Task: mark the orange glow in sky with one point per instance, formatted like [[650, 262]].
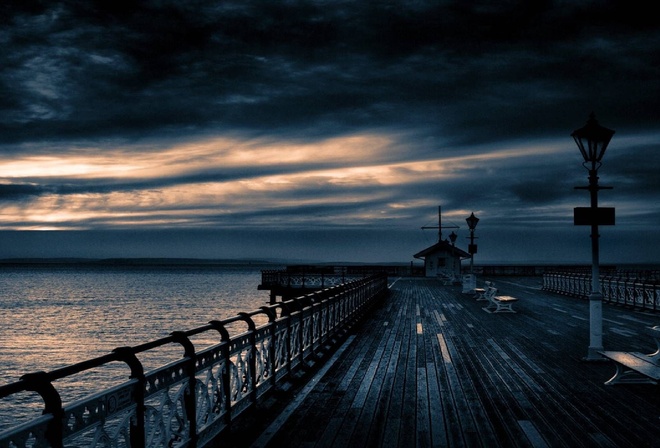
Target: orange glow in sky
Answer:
[[350, 169]]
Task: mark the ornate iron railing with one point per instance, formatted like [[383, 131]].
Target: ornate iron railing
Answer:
[[304, 280], [623, 290], [190, 401], [315, 277]]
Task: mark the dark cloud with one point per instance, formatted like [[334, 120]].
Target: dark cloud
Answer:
[[98, 68], [19, 192], [447, 79]]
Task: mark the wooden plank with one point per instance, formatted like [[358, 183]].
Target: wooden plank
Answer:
[[384, 430], [462, 407], [422, 420], [379, 397], [533, 398], [372, 409], [395, 416], [466, 342], [443, 373], [436, 414], [367, 380], [408, 373], [293, 405], [488, 367], [342, 417], [575, 411], [532, 434]]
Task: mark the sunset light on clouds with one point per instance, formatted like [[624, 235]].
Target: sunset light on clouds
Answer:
[[269, 130], [208, 182]]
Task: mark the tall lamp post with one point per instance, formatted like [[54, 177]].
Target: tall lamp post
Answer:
[[592, 140], [472, 248]]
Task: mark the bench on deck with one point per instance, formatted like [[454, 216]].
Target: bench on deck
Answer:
[[480, 293], [447, 277], [498, 304], [636, 367], [633, 368]]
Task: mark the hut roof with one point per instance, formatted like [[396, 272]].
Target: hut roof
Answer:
[[442, 246]]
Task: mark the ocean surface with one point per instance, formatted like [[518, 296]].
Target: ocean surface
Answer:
[[54, 316]]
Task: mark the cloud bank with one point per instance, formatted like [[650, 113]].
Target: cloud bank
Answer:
[[339, 122]]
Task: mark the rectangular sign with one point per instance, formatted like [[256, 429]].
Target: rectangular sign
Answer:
[[587, 216], [472, 248]]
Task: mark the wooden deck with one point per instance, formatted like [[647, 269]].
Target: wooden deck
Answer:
[[431, 368]]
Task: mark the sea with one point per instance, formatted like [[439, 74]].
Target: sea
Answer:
[[54, 315]]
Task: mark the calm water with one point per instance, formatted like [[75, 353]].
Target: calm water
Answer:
[[55, 316]]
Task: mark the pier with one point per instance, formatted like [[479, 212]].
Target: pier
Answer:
[[298, 280], [424, 365], [431, 368]]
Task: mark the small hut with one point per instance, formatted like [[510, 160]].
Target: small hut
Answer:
[[443, 260]]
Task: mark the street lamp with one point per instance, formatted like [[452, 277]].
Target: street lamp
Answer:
[[472, 248], [592, 140]]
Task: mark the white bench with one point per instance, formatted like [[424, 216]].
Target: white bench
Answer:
[[498, 304], [480, 293], [447, 277], [632, 368], [636, 367]]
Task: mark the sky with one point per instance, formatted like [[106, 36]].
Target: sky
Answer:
[[326, 131]]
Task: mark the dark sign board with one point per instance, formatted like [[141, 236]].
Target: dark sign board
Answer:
[[472, 248], [587, 216]]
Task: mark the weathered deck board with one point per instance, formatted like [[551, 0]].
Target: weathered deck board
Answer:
[[431, 368]]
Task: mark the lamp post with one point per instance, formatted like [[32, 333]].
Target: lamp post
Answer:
[[472, 248], [452, 239], [592, 140]]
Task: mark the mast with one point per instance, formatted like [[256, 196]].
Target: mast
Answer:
[[440, 225]]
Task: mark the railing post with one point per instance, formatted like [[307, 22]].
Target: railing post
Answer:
[[253, 355], [272, 353], [606, 286], [189, 397], [225, 375], [38, 382], [137, 432], [616, 293], [301, 334], [648, 293]]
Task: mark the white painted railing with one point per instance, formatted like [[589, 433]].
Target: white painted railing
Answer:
[[643, 294]]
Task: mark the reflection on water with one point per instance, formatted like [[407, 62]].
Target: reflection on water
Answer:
[[51, 317]]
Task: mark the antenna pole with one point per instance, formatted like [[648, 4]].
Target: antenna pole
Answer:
[[439, 223]]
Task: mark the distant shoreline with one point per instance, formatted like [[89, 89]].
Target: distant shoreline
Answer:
[[134, 262], [272, 263]]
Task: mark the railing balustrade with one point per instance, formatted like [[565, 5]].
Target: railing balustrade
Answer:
[[190, 401], [626, 289], [312, 280]]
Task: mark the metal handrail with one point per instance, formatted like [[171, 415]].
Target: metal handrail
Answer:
[[190, 401], [622, 290]]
